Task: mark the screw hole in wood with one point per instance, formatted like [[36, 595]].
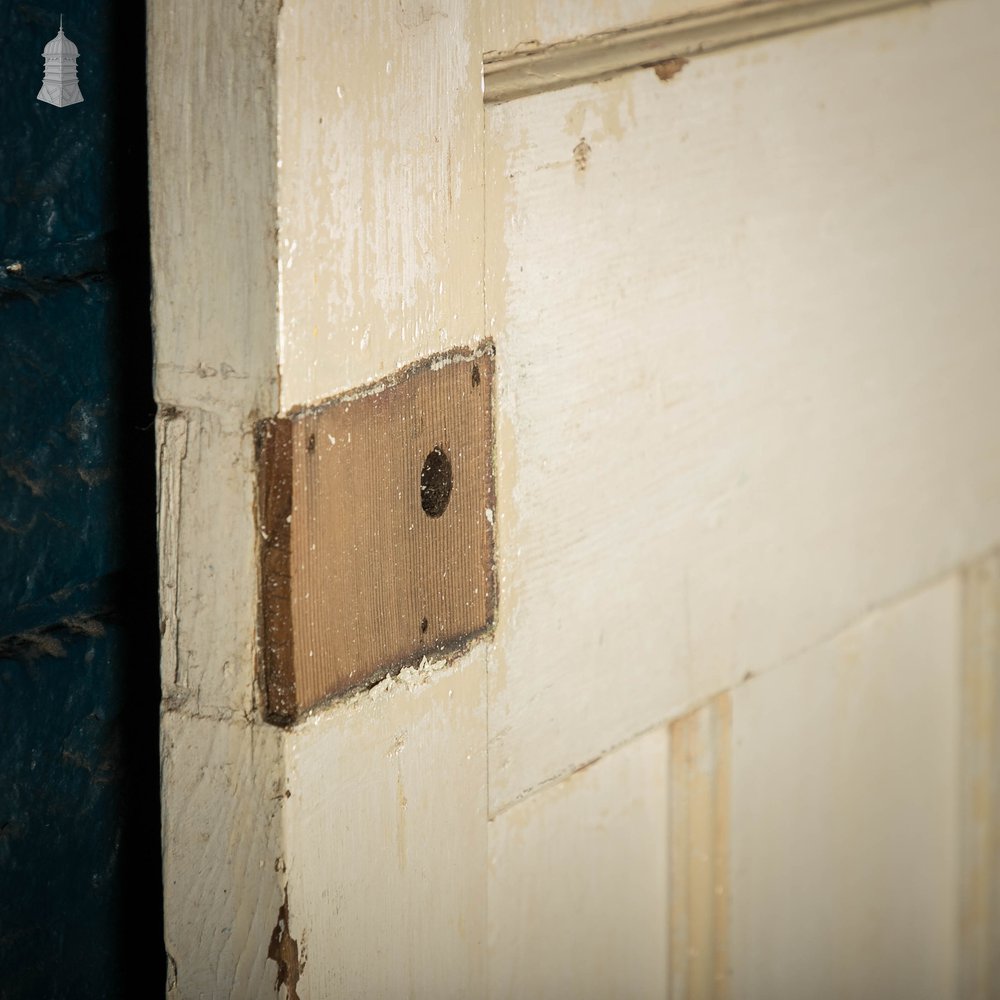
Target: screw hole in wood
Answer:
[[435, 483]]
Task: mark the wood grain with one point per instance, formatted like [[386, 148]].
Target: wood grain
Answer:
[[274, 486], [358, 577]]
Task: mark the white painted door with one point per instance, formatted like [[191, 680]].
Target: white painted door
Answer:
[[734, 732]]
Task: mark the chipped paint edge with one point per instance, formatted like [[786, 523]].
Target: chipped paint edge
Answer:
[[431, 362]]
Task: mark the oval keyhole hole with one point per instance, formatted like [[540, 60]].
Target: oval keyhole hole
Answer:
[[435, 483]]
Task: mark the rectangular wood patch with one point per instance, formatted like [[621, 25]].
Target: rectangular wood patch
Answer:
[[376, 530]]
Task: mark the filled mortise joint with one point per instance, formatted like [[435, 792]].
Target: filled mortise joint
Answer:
[[376, 531]]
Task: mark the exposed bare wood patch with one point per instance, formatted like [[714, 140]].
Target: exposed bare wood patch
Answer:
[[700, 781], [284, 952], [979, 851], [274, 463], [377, 536], [669, 68]]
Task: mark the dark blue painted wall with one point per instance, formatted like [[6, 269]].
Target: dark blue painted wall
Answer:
[[80, 894]]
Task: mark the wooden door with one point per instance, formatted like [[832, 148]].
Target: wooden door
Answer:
[[732, 729]]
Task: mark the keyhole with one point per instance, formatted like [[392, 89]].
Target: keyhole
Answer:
[[435, 483]]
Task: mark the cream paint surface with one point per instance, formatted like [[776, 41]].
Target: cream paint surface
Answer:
[[844, 819], [213, 202], [747, 344], [222, 848], [578, 882], [523, 23], [699, 838], [979, 746], [380, 189], [385, 838], [380, 124], [664, 45]]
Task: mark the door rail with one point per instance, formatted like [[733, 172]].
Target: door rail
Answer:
[[526, 71]]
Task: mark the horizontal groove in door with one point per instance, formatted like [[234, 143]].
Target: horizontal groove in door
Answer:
[[521, 73]]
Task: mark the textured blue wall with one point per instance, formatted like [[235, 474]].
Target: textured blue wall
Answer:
[[80, 893]]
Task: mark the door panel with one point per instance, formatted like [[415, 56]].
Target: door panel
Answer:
[[747, 340]]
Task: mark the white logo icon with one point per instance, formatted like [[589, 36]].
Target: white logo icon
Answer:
[[59, 86]]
